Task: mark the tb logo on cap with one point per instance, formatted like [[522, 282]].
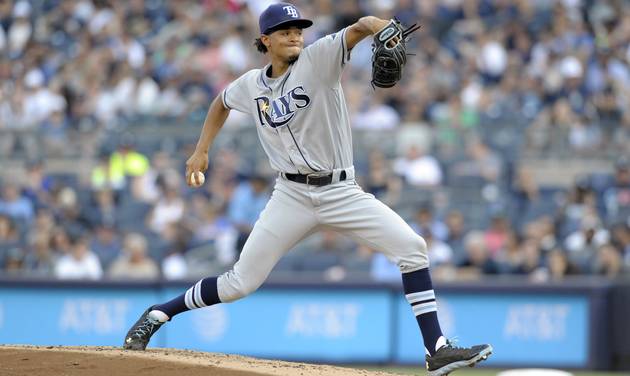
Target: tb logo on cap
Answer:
[[291, 11]]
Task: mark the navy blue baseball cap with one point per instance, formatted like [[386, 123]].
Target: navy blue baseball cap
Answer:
[[281, 14]]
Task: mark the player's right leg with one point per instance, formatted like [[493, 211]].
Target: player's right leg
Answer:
[[353, 212], [287, 219]]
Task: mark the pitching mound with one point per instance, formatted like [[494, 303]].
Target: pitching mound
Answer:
[[110, 361]]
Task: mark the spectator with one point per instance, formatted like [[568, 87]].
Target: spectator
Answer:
[[482, 163], [609, 113], [583, 244], [546, 238], [413, 132], [584, 137], [168, 209], [174, 237], [510, 258], [439, 252], [104, 176], [21, 30], [174, 265], [69, 213], [425, 223], [617, 197], [377, 117], [563, 120], [14, 262], [209, 225], [247, 203], [9, 236], [40, 259], [60, 241], [559, 266], [477, 261], [621, 240], [129, 49], [38, 186], [104, 209], [16, 206], [146, 187], [525, 197], [79, 263], [581, 202], [54, 130], [121, 168], [134, 263], [456, 235], [44, 223], [496, 235], [608, 261], [418, 168], [620, 143], [382, 269], [381, 180], [128, 161], [493, 59], [106, 244], [532, 258], [325, 252]]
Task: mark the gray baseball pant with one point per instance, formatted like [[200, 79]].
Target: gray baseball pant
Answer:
[[297, 210]]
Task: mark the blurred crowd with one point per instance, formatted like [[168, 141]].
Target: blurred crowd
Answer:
[[493, 83]]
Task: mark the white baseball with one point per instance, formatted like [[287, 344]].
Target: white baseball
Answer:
[[197, 179]]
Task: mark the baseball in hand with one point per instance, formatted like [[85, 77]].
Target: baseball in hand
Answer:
[[197, 179]]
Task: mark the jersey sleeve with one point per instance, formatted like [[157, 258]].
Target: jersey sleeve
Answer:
[[329, 55], [236, 95]]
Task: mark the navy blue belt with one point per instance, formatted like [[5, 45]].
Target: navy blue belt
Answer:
[[317, 180]]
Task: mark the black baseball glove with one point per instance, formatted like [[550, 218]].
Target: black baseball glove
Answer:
[[390, 53]]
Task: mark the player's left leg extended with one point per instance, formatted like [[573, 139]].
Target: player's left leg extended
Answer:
[[287, 218], [351, 211]]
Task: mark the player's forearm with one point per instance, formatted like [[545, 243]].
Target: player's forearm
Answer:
[[364, 27], [213, 124], [372, 25]]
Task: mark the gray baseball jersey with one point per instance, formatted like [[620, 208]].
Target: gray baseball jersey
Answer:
[[301, 116]]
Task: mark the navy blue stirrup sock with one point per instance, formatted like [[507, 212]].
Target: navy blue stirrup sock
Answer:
[[419, 293], [204, 293]]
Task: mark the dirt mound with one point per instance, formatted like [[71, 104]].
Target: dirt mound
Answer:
[[111, 361]]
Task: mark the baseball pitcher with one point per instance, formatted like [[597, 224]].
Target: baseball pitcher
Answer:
[[298, 105]]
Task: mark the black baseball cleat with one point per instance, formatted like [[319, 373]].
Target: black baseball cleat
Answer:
[[140, 333], [448, 358]]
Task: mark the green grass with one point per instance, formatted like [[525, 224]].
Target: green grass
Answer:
[[469, 372]]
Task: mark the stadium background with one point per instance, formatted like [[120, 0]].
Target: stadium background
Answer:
[[506, 145]]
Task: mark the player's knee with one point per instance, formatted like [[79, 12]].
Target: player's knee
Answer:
[[416, 245], [248, 288], [242, 290], [416, 257], [421, 245], [232, 288]]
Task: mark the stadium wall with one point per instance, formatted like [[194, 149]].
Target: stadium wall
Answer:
[[579, 324]]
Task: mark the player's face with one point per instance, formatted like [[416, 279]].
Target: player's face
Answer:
[[286, 44]]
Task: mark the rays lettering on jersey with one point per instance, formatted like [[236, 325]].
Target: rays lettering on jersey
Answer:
[[281, 110]]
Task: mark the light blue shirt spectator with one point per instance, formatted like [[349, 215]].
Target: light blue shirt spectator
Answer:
[[13, 204], [383, 270], [248, 201]]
